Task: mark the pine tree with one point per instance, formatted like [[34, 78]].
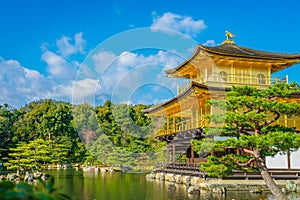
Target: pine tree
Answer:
[[250, 122]]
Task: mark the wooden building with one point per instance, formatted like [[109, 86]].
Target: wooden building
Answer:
[[212, 71]]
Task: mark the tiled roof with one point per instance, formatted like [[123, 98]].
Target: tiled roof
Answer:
[[239, 51]]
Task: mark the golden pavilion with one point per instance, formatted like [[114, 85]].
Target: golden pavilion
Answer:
[[211, 72]]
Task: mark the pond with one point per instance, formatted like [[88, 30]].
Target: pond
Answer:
[[92, 185]]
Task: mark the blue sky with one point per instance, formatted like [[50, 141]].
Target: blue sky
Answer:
[[44, 44]]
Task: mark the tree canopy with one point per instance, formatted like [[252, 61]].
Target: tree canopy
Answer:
[[49, 131]]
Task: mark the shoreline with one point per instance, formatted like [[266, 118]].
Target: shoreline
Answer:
[[217, 185]]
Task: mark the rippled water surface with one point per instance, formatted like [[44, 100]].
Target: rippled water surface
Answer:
[[130, 186]]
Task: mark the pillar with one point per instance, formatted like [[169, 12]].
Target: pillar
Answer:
[[173, 153]]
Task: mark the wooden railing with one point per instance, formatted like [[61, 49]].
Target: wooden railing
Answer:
[[184, 125], [189, 124], [232, 79]]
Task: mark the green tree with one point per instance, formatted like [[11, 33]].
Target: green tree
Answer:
[[86, 123], [47, 119], [249, 120], [28, 156], [8, 116]]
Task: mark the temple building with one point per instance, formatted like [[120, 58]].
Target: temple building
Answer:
[[211, 72]]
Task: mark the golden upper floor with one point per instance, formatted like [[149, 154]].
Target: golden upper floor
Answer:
[[230, 64]]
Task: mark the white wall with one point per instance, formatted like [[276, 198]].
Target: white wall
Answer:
[[280, 161]]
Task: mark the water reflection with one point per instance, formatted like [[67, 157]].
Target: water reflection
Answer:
[[132, 186]]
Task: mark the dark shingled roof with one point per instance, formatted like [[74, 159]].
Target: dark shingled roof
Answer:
[[239, 51], [235, 51]]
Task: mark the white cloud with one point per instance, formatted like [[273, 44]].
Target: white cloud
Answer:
[[80, 91], [102, 60], [56, 65], [122, 75], [209, 43], [65, 48], [183, 24], [19, 85]]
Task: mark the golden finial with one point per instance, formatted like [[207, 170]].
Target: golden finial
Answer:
[[228, 35]]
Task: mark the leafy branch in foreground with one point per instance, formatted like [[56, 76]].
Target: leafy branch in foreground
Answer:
[[23, 191]]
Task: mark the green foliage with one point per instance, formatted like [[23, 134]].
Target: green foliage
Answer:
[[126, 126], [8, 116], [23, 191], [48, 131], [249, 119], [225, 165], [27, 156]]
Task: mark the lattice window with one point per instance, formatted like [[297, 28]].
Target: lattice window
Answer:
[[261, 79], [223, 76]]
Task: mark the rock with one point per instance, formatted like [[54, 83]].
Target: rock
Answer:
[[28, 177], [45, 176], [150, 176], [291, 186], [219, 190], [2, 177], [36, 174], [178, 179], [103, 170], [111, 170], [11, 176], [172, 179], [256, 190], [186, 180], [171, 186], [67, 166], [162, 177], [193, 190]]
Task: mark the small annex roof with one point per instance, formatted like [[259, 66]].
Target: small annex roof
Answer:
[[233, 51], [193, 88]]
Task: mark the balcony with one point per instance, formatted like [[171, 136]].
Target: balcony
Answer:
[[227, 80], [184, 125], [193, 123]]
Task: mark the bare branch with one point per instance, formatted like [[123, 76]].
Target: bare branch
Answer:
[[245, 163], [267, 123], [248, 151]]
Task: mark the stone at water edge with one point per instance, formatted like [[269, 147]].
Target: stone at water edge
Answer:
[[171, 186], [193, 190], [103, 170], [219, 190], [111, 170], [291, 186]]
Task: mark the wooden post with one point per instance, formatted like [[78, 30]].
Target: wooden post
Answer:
[[251, 74], [197, 120], [192, 153], [174, 123], [173, 154], [289, 160], [168, 119], [285, 120], [269, 75]]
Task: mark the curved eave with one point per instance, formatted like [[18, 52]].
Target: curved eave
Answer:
[[172, 72], [181, 96], [283, 60]]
